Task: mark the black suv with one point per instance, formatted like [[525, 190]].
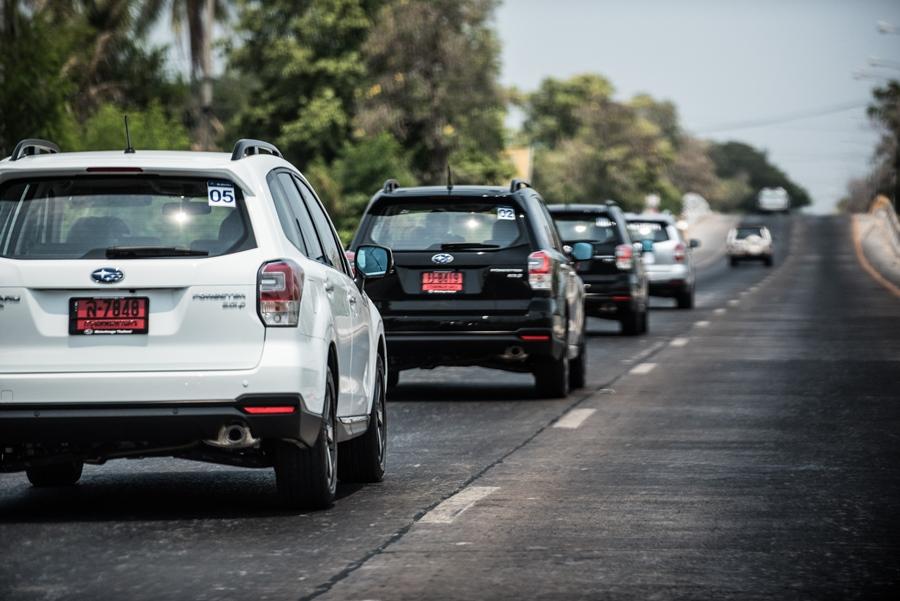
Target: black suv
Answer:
[[481, 277], [615, 281]]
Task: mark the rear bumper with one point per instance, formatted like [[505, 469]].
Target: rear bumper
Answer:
[[408, 350], [155, 424], [742, 253]]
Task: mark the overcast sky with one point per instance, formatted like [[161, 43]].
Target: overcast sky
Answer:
[[723, 63]]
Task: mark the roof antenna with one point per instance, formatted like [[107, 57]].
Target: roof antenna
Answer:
[[129, 149], [449, 179]]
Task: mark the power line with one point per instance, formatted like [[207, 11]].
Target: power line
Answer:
[[787, 118]]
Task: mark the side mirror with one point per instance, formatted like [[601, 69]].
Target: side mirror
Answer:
[[373, 262], [694, 243], [582, 251]]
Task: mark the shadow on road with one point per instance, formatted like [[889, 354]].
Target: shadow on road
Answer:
[[224, 494]]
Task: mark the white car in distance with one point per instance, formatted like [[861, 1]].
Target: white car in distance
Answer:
[[185, 304]]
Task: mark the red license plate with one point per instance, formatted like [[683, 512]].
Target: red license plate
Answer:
[[442, 281], [99, 316]]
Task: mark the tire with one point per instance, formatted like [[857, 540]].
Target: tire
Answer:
[[685, 299], [393, 378], [363, 458], [768, 261], [552, 378], [307, 478], [733, 262], [56, 474], [633, 323], [578, 368], [645, 321]]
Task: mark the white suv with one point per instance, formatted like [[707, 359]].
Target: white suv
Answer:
[[185, 304]]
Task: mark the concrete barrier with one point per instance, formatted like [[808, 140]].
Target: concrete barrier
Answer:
[[876, 238]]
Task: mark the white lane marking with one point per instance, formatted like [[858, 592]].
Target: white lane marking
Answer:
[[753, 288], [719, 311], [451, 508], [679, 341], [734, 302], [648, 351], [701, 324], [574, 418], [643, 368]]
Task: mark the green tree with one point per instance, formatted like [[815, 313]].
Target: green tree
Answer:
[[433, 69], [302, 65], [885, 112], [150, 129], [33, 91], [592, 148], [739, 160]]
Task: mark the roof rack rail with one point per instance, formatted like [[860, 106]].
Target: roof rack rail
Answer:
[[611, 203], [390, 185], [32, 146], [518, 184], [247, 146]]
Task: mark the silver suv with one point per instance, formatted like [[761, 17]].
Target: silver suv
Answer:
[[669, 264]]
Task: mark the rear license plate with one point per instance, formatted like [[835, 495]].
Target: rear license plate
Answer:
[[442, 282], [109, 316]]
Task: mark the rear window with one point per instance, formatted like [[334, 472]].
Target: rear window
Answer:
[[648, 230], [746, 232], [446, 224], [122, 217], [599, 230]]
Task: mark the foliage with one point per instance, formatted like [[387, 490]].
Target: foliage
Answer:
[[302, 63], [33, 91], [885, 112], [433, 68], [350, 180], [736, 159], [592, 148], [150, 129]]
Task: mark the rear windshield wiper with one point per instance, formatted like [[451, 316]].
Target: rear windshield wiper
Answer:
[[467, 245], [135, 252]]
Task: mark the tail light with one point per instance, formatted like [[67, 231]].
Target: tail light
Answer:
[[624, 256], [540, 271], [279, 289], [679, 252]]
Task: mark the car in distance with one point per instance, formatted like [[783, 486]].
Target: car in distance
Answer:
[[186, 304], [773, 200], [615, 279], [670, 265], [749, 242], [481, 278]]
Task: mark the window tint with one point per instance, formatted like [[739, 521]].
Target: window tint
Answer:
[[746, 232], [286, 214], [597, 229], [437, 223], [549, 226], [323, 226], [302, 217], [648, 230], [85, 217]]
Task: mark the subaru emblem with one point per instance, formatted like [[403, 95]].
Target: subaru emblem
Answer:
[[107, 275], [442, 259]]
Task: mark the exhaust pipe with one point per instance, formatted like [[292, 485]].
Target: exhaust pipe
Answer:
[[514, 353], [235, 436]]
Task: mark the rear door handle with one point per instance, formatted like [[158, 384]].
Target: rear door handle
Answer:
[[352, 299], [329, 287]]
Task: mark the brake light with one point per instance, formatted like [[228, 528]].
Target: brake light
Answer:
[[114, 170], [624, 256], [279, 290], [540, 271], [679, 252], [269, 410]]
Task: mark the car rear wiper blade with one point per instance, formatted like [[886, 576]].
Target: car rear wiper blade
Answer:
[[467, 245], [135, 252]]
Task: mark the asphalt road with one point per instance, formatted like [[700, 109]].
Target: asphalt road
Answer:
[[747, 449]]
